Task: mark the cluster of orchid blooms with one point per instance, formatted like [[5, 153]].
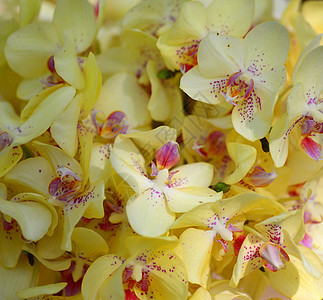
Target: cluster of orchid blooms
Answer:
[[161, 150]]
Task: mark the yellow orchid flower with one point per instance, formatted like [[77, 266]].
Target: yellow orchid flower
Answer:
[[60, 178], [179, 45], [304, 108], [249, 79], [157, 200], [29, 49], [271, 245], [151, 271], [215, 221]]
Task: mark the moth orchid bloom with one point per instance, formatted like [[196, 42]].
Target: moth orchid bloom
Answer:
[[304, 109], [151, 271], [270, 244], [180, 44], [62, 180], [247, 73], [215, 222], [50, 49], [152, 209]]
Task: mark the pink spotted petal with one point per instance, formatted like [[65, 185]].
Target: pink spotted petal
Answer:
[[273, 256], [5, 140], [307, 241], [311, 148], [260, 178], [167, 155], [307, 125]]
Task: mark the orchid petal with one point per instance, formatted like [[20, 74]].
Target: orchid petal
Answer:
[[168, 275], [99, 271], [15, 279], [66, 62], [148, 213], [185, 199], [196, 254], [33, 218], [300, 284], [85, 251], [9, 157], [51, 107], [64, 127], [202, 89], [196, 174], [78, 16], [43, 290], [28, 49], [244, 156], [58, 158], [248, 259], [260, 41], [236, 24], [103, 272]]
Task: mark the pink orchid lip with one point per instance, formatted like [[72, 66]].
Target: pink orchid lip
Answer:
[[190, 55], [237, 89], [5, 140], [307, 241], [213, 145], [260, 178], [307, 125], [273, 256], [66, 185], [127, 279], [116, 123], [311, 148], [167, 155]]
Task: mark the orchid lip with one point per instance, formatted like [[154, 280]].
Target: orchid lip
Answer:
[[66, 185], [5, 140], [167, 155], [273, 256]]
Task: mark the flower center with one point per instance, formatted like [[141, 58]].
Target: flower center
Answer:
[[65, 186], [239, 88]]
